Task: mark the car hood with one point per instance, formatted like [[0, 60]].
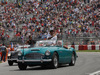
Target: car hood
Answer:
[[41, 50]]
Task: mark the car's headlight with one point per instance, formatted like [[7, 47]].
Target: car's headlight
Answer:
[[20, 53], [47, 53], [9, 54]]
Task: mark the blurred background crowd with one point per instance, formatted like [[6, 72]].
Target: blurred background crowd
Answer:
[[70, 19]]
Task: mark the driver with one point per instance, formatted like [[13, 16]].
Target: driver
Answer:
[[59, 43]]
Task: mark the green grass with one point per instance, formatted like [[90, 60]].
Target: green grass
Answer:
[[88, 51], [0, 62]]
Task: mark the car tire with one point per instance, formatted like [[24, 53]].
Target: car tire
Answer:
[[54, 63], [73, 60], [22, 66], [10, 63]]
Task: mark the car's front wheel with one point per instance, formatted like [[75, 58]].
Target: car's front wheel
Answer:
[[22, 66], [72, 60], [54, 63], [10, 63]]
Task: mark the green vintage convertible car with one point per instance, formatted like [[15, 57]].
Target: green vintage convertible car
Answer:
[[46, 52]]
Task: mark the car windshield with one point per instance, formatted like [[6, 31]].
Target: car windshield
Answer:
[[22, 47], [45, 43]]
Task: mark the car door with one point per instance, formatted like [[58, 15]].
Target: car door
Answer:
[[61, 54], [64, 55], [67, 53]]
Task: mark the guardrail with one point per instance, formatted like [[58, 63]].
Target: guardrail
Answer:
[[85, 47]]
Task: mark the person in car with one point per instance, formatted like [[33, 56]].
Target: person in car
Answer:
[[52, 35], [59, 43], [31, 42]]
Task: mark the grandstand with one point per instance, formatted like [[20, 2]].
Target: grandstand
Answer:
[[71, 19]]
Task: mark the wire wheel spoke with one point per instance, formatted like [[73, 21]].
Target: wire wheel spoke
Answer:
[[55, 61], [73, 59]]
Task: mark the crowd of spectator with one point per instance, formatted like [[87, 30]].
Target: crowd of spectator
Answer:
[[74, 18]]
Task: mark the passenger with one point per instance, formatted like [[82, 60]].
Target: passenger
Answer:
[[52, 35], [31, 42]]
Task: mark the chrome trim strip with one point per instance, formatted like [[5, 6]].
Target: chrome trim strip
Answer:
[[42, 60]]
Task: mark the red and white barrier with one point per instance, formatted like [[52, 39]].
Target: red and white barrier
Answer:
[[85, 47]]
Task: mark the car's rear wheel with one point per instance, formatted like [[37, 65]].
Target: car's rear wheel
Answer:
[[10, 63], [72, 60], [22, 66], [54, 63]]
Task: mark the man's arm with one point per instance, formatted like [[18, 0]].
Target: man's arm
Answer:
[[49, 38], [65, 46], [27, 42]]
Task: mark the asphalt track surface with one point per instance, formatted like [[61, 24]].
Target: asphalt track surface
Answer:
[[86, 64]]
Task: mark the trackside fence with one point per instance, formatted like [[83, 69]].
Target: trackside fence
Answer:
[[85, 47]]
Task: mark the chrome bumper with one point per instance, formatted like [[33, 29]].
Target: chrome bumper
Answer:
[[12, 59], [41, 60]]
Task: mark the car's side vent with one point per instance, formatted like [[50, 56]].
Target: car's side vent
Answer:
[[35, 50]]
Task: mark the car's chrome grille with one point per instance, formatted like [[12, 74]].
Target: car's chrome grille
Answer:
[[34, 56]]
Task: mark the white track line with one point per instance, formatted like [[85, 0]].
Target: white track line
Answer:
[[95, 73]]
